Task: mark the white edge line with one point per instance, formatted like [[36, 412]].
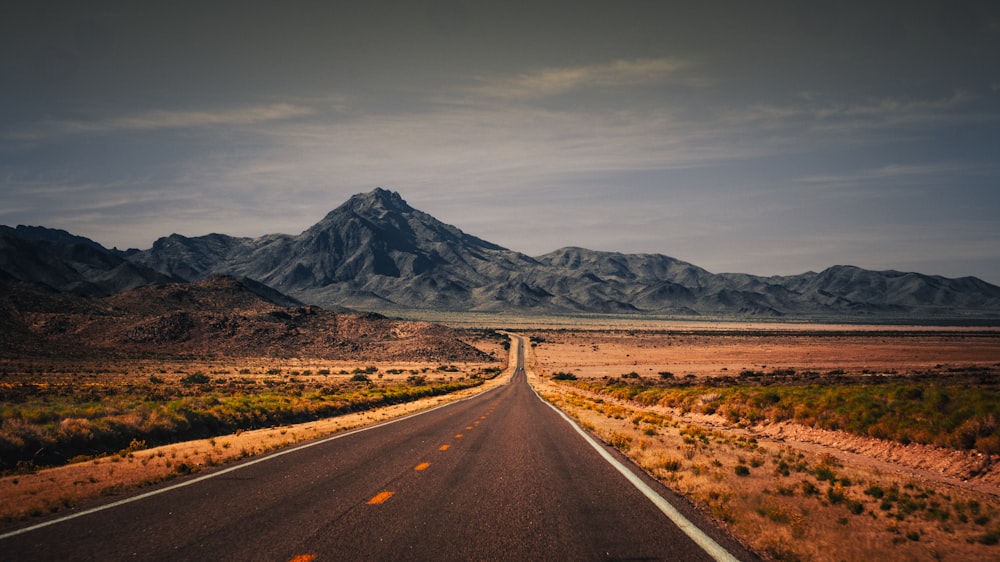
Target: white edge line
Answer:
[[230, 469], [714, 549]]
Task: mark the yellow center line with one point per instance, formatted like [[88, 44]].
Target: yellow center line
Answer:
[[475, 422], [459, 436], [380, 498], [468, 427], [444, 447], [422, 466], [303, 558]]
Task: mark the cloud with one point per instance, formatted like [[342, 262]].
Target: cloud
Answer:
[[555, 81], [162, 119], [821, 113], [891, 171]]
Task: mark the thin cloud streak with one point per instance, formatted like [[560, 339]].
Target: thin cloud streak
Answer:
[[162, 119], [847, 114], [895, 171], [555, 81]]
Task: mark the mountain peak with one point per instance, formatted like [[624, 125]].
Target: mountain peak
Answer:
[[379, 200]]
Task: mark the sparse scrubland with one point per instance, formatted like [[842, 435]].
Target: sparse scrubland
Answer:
[[808, 445], [50, 418], [954, 412], [75, 430], [883, 457]]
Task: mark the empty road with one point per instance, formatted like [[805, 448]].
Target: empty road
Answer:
[[501, 476]]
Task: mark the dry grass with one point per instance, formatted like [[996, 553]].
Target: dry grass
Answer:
[[787, 499], [51, 415], [35, 492], [791, 504]]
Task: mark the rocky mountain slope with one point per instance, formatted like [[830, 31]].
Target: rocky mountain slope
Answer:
[[377, 253], [71, 263], [217, 316]]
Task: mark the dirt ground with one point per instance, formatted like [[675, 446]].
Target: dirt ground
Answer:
[[769, 511], [599, 354], [727, 352]]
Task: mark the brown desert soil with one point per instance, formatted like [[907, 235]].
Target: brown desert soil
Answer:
[[595, 355], [794, 528]]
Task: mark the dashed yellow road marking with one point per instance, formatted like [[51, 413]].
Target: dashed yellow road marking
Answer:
[[380, 498], [468, 427], [422, 466], [459, 436], [482, 417], [303, 558], [444, 447], [475, 422]]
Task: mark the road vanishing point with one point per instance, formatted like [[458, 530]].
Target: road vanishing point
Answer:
[[499, 476]]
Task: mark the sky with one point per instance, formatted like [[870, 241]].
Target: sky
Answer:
[[761, 137]]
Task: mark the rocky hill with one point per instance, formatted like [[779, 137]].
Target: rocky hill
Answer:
[[217, 316], [377, 253]]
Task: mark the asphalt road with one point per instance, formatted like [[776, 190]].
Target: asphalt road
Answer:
[[501, 476]]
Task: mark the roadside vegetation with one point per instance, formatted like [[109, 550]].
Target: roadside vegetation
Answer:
[[51, 415], [958, 412], [791, 503]]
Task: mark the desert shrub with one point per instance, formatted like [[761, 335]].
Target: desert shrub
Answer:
[[875, 491], [809, 489], [742, 470], [956, 416], [990, 538], [360, 377], [620, 441], [196, 378], [825, 473], [563, 376], [835, 495]]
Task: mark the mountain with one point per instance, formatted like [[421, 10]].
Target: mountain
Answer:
[[377, 253], [70, 263], [374, 252], [217, 316]]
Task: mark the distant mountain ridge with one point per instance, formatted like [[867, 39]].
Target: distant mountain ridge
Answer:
[[219, 316], [377, 253]]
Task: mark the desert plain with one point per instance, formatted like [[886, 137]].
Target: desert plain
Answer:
[[725, 415], [746, 421]]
